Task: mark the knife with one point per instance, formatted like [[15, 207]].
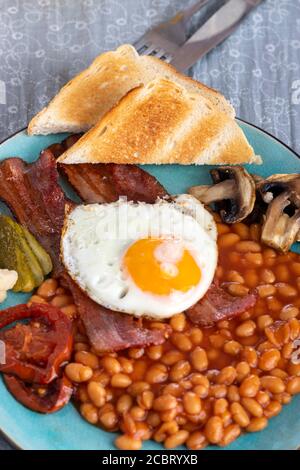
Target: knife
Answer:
[[217, 28]]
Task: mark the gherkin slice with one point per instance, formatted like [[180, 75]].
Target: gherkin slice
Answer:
[[42, 256], [13, 257], [32, 261], [24, 273]]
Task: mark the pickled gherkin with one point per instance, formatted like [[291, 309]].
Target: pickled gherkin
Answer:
[[32, 262], [42, 256], [16, 253], [12, 256]]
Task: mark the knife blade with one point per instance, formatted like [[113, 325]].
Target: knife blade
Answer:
[[217, 28]]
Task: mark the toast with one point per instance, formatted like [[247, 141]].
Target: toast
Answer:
[[162, 122], [90, 95]]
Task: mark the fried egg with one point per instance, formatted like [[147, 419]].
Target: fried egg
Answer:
[[152, 260]]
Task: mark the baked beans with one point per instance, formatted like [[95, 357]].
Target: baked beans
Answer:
[[231, 433], [155, 352], [180, 370], [252, 406], [48, 288], [78, 372], [120, 381], [214, 430], [164, 402], [176, 439], [87, 359], [293, 386], [61, 301], [89, 412], [237, 290], [108, 420], [172, 357], [272, 384], [232, 347], [178, 322], [227, 375], [250, 386], [192, 403], [124, 403], [127, 425], [196, 336], [239, 414], [157, 373], [202, 385], [273, 409], [233, 393], [242, 370], [199, 359], [242, 230], [125, 442], [263, 321], [228, 240], [269, 359], [96, 393], [111, 365], [145, 399], [246, 329], [182, 342], [196, 441], [248, 246], [257, 424]]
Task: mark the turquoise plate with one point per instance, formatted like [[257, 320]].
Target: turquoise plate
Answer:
[[66, 430]]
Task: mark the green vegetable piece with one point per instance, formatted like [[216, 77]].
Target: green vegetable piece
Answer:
[[32, 260], [42, 256], [13, 257]]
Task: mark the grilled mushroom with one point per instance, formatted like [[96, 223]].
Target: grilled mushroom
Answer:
[[233, 193], [281, 227], [277, 184], [280, 230], [260, 207]]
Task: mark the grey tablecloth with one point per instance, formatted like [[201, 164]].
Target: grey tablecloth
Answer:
[[43, 43]]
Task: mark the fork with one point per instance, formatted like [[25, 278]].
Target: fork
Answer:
[[167, 41], [164, 40]]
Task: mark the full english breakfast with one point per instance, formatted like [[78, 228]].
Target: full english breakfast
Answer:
[[165, 317]]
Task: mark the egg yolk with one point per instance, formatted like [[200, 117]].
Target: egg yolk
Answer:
[[161, 266]]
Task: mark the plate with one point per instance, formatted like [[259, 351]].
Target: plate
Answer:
[[66, 430]]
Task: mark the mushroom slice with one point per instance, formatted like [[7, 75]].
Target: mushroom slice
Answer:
[[214, 193], [281, 227], [274, 185], [233, 193], [278, 185]]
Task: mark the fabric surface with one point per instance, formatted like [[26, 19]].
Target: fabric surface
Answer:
[[43, 43]]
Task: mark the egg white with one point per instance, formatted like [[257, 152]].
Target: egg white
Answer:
[[96, 237]]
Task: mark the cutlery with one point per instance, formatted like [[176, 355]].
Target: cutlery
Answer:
[[167, 41]]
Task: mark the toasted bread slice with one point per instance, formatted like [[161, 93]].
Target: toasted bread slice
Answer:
[[88, 96], [160, 123]]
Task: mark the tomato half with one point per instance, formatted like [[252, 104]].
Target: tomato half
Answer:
[[44, 400], [35, 351]]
